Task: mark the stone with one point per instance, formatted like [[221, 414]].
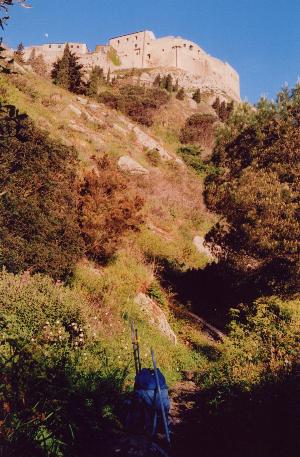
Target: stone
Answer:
[[150, 143], [199, 243], [155, 315], [75, 109], [126, 163]]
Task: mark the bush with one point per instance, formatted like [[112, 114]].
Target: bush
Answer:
[[109, 208], [136, 102], [199, 129], [38, 206], [57, 387], [192, 157]]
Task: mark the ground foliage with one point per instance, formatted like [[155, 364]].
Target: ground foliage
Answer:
[[58, 388], [257, 189]]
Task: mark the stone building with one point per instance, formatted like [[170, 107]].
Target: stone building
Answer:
[[143, 50]]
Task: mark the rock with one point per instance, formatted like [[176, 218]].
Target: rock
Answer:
[[82, 101], [150, 143], [78, 128], [192, 103], [75, 109], [126, 163], [156, 316], [199, 243]]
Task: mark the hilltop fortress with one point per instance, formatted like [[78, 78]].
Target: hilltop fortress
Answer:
[[142, 50]]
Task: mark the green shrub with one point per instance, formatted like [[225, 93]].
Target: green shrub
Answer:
[[153, 156], [139, 103], [263, 343], [192, 157], [38, 206], [112, 55], [57, 386]]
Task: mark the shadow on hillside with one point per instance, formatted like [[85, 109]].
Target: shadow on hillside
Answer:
[[259, 423], [211, 292]]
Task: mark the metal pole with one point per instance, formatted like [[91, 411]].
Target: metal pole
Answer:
[[134, 347], [160, 399]]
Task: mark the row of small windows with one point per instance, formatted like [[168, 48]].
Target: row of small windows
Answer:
[[59, 46]]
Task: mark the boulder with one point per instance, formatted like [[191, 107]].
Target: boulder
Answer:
[[199, 243], [126, 163], [155, 315], [150, 143]]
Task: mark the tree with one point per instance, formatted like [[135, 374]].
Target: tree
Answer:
[[109, 208], [67, 72], [180, 94], [95, 82], [37, 63], [19, 54], [108, 76], [197, 96], [257, 190], [216, 105], [157, 81], [169, 83], [38, 205]]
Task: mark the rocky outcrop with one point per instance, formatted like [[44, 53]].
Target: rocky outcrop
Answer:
[[155, 315], [202, 248], [126, 163]]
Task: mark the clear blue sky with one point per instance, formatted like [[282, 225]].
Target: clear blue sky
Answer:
[[260, 38]]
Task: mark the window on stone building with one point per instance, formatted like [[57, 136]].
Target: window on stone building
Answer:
[[148, 55], [184, 45], [118, 41], [135, 45], [191, 47], [50, 46], [59, 46], [127, 39], [136, 37], [78, 47]]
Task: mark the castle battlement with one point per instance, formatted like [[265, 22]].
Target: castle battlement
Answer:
[[143, 50]]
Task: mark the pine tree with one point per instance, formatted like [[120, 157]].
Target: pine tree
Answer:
[[19, 54], [157, 81], [67, 73], [176, 86], [197, 96], [181, 94], [223, 111], [163, 82], [108, 76], [37, 63], [96, 80], [169, 83], [216, 105]]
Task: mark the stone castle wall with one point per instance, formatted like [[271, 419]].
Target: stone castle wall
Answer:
[[142, 50]]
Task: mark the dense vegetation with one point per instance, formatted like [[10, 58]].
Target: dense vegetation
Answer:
[[257, 190], [38, 207], [139, 103]]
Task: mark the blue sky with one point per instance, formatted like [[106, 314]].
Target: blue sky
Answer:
[[260, 38]]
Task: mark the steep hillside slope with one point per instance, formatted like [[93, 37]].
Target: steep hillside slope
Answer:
[[174, 214]]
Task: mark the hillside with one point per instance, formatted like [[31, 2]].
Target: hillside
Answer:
[[173, 213]]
